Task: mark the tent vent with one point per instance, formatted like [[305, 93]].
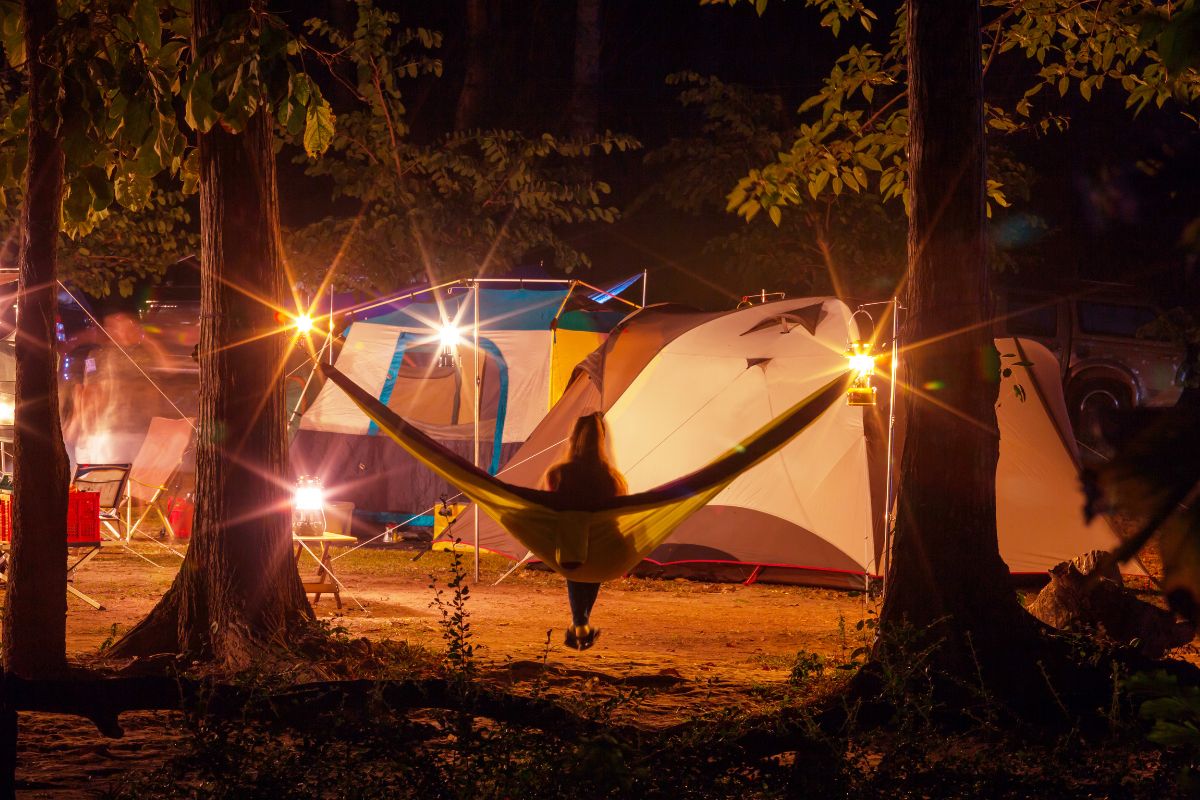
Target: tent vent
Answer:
[[808, 318]]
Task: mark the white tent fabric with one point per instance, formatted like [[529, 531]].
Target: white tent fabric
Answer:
[[1040, 517], [814, 511], [527, 354], [699, 395], [365, 359]]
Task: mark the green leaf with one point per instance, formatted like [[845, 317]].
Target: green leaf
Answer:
[[101, 187], [775, 214], [190, 172], [133, 190], [12, 33], [198, 110], [318, 128], [301, 88], [78, 202], [147, 23]]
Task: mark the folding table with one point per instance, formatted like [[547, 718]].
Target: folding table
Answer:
[[324, 581]]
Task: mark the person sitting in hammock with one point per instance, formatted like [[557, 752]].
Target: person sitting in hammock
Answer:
[[586, 473]]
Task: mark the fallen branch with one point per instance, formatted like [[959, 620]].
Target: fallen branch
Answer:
[[103, 700]]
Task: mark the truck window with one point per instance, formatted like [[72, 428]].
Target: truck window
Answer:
[[1031, 319], [1114, 319]]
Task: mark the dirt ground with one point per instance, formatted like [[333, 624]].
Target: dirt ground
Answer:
[[686, 647]]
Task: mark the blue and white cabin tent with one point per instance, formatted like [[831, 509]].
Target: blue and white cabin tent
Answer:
[[530, 341]]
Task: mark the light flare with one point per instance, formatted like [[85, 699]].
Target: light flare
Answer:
[[303, 323]]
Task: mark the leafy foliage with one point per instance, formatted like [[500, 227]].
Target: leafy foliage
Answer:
[[466, 200], [854, 128], [852, 244], [1154, 478], [122, 68], [123, 247], [1174, 710], [848, 241]]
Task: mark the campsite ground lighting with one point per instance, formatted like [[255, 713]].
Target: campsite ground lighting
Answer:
[[308, 507]]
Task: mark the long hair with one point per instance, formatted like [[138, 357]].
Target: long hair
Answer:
[[588, 440], [587, 450]]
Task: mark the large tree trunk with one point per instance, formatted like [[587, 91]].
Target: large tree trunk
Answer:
[[583, 113], [35, 616], [238, 588], [947, 576], [469, 111]]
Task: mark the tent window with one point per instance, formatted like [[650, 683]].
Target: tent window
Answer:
[[427, 393]]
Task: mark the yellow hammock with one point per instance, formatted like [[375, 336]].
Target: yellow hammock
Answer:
[[607, 537]]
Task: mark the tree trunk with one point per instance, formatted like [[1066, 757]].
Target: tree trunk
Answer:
[[947, 576], [583, 114], [238, 588], [35, 616], [469, 111]]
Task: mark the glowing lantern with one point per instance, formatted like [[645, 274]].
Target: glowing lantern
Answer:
[[450, 337], [303, 323], [308, 507], [862, 364]]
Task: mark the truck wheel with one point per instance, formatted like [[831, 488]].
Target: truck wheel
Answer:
[[1089, 403]]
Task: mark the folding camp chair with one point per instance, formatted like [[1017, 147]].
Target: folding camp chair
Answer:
[[161, 453], [83, 533], [109, 482]]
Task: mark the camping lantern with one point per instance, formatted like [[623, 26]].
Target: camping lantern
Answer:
[[449, 337], [304, 324], [308, 507], [862, 364]]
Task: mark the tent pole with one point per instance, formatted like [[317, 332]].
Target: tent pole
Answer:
[[475, 404], [645, 275], [888, 519], [308, 382]]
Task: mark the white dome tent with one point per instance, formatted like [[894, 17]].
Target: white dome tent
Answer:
[[679, 387]]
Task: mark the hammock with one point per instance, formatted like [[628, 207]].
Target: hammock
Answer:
[[606, 537]]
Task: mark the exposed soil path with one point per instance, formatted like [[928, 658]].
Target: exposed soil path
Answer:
[[685, 647]]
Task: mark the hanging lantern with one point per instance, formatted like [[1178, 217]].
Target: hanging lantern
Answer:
[[308, 507], [303, 324], [450, 338], [862, 364]]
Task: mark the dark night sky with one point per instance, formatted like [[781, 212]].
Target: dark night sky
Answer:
[[1104, 217]]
